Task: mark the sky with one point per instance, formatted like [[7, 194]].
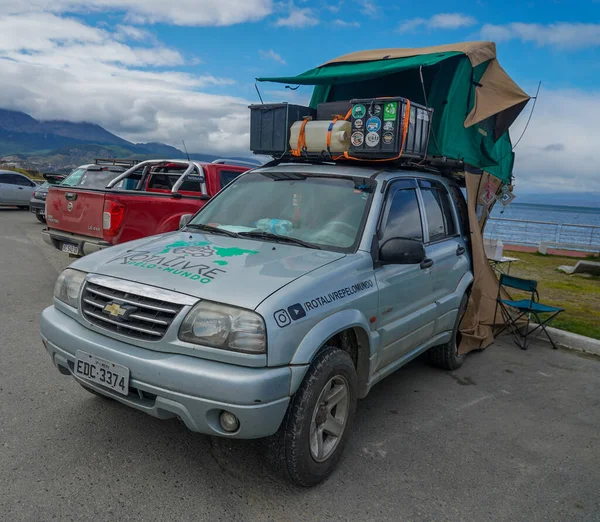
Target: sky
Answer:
[[159, 70]]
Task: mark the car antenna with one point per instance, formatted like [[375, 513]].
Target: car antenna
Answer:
[[186, 152]]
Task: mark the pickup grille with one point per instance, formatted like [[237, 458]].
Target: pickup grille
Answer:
[[133, 315]]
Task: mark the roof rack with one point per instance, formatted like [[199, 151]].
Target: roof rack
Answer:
[[116, 162], [430, 164]]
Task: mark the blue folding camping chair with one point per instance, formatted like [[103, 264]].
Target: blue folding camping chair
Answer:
[[531, 308]]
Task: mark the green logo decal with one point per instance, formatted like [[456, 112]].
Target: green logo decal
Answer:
[[186, 259], [183, 244], [358, 111], [390, 111]]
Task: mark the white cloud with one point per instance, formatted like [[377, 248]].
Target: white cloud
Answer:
[[334, 8], [561, 35], [346, 24], [559, 152], [66, 69], [179, 12], [438, 21], [369, 8], [272, 55], [298, 17]]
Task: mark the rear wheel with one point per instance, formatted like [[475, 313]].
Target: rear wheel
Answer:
[[319, 419], [446, 355]]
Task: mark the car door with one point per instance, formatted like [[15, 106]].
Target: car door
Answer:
[[406, 311], [24, 189], [10, 192], [446, 248]]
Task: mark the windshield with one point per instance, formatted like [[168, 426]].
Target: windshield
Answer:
[[323, 211], [98, 179], [73, 179]]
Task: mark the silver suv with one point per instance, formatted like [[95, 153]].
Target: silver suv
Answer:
[[275, 308]]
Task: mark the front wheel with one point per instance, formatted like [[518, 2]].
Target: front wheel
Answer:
[[319, 419], [40, 218]]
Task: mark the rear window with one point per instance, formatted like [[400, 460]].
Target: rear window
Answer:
[[166, 181], [227, 176]]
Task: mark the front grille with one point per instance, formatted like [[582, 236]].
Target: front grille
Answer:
[[145, 318]]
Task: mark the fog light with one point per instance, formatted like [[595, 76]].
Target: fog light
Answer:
[[229, 422]]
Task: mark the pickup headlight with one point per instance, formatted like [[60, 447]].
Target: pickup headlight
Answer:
[[68, 285], [222, 326]]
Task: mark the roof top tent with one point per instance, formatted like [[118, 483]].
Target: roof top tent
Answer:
[[474, 101]]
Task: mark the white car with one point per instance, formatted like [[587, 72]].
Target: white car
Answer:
[[15, 189]]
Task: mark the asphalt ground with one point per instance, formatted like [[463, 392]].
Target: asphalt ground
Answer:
[[512, 435]]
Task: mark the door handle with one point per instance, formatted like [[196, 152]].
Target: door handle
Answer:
[[460, 250], [20, 188], [69, 196], [426, 263]]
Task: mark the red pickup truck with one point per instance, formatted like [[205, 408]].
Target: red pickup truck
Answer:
[[149, 198]]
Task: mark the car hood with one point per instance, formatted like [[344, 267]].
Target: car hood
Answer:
[[235, 271]]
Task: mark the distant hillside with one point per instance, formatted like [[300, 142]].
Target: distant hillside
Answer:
[[59, 145]]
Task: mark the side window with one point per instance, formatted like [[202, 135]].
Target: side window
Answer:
[[4, 178], [438, 210], [402, 217], [23, 181], [227, 176]]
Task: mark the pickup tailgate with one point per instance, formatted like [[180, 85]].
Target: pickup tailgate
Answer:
[[75, 210]]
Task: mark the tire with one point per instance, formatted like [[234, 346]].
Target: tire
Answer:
[[40, 218], [295, 448], [446, 356], [23, 208]]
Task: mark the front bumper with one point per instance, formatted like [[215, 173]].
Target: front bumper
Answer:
[[37, 206], [172, 385], [87, 245]]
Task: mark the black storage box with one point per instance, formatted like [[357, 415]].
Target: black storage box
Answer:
[[378, 124], [329, 110], [270, 126]]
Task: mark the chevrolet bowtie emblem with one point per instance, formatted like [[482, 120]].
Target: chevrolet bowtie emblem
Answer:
[[115, 310]]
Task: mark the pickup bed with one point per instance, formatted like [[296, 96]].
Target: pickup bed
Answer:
[[149, 198]]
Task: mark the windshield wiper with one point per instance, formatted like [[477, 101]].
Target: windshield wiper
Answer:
[[268, 236], [214, 230]]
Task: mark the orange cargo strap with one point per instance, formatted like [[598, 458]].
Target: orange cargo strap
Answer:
[[336, 118], [301, 138]]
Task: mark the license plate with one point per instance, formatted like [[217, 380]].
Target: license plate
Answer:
[[70, 248], [102, 372]]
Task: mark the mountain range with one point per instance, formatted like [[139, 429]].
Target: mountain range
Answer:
[[58, 145]]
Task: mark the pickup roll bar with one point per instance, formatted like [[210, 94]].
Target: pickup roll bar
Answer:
[[150, 163]]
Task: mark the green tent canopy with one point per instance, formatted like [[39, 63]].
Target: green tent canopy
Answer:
[[473, 99]]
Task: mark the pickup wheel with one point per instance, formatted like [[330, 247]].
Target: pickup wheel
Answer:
[[446, 355], [319, 419]]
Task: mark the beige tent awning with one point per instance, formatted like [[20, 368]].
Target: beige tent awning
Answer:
[[477, 52]]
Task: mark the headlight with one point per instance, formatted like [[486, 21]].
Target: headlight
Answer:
[[222, 326], [68, 285]]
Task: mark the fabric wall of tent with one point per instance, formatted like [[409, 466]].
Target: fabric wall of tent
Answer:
[[473, 99]]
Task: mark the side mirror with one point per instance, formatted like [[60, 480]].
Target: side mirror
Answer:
[[185, 219], [400, 251]]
